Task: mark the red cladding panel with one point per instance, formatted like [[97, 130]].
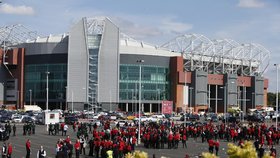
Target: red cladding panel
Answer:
[[182, 77], [215, 79], [265, 83], [244, 81]]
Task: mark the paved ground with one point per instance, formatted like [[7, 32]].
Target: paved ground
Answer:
[[42, 138]]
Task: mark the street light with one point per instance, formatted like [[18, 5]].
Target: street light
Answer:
[[158, 94], [185, 90], [253, 106], [191, 88], [47, 102], [276, 123], [139, 123], [30, 97], [110, 102], [47, 89]]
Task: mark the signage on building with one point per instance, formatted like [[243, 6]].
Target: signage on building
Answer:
[[167, 107]]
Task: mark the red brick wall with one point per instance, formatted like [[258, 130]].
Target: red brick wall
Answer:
[[244, 81], [215, 79]]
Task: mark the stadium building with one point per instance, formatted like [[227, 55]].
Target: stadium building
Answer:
[[96, 66]]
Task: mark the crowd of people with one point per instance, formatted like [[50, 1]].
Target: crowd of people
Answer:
[[107, 141], [117, 141]]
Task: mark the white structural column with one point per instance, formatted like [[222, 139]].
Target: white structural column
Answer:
[[151, 108], [126, 107]]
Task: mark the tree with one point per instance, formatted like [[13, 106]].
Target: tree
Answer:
[[208, 155], [271, 98], [137, 154], [248, 150]]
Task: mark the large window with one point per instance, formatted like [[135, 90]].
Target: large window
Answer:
[[154, 81], [35, 80]]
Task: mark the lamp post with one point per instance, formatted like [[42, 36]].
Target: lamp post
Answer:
[[110, 101], [47, 102], [72, 95], [158, 94], [191, 88], [253, 106], [276, 101], [139, 123], [47, 89], [30, 97], [185, 90]]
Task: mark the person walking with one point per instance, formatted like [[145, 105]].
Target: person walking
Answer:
[[14, 130], [184, 140], [211, 145], [77, 148], [217, 146], [10, 150], [28, 148], [4, 150], [41, 153], [70, 149], [65, 128]]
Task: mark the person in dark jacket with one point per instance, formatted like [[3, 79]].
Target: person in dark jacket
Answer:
[[70, 149]]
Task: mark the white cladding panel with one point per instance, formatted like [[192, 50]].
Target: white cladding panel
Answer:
[[77, 64], [108, 66]]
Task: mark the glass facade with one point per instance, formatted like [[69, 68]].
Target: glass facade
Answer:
[[93, 48], [35, 80], [154, 81]]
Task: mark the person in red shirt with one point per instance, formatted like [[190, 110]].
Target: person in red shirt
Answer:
[[133, 143], [177, 139], [170, 140], [28, 148], [77, 147], [74, 126], [67, 140], [184, 140], [121, 148], [211, 145], [10, 150], [97, 144]]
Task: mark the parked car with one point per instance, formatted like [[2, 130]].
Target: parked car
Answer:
[[255, 118], [214, 118], [190, 117], [4, 119], [17, 119], [27, 119], [70, 120], [143, 119]]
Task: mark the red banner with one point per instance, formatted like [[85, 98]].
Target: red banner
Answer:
[[167, 107]]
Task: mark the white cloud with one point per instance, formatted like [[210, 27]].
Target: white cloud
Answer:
[[172, 26], [250, 4], [19, 10], [134, 29]]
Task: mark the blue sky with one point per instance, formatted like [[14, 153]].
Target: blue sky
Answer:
[[157, 21]]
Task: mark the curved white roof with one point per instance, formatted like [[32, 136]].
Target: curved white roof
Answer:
[[48, 39], [129, 45]]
